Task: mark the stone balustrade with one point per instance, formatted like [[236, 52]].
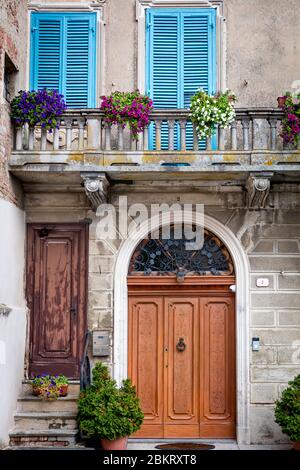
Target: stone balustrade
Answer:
[[170, 131]]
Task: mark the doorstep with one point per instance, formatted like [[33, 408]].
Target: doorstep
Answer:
[[220, 444]]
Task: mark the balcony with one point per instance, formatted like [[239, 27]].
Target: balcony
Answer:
[[85, 144]]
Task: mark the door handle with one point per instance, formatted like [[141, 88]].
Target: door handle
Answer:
[[180, 346]]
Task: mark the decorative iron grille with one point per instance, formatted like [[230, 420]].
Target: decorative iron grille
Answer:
[[170, 256]]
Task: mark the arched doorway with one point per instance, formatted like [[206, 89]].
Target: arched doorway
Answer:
[[181, 337], [241, 266]]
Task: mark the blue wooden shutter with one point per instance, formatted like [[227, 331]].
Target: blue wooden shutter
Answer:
[[46, 52], [63, 55], [79, 62], [187, 56], [198, 60], [163, 63]]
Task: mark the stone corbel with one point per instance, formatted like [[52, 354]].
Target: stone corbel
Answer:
[[96, 188], [258, 189]]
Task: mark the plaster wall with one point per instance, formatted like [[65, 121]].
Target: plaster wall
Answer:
[[13, 320]]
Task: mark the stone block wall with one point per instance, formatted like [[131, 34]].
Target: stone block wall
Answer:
[[270, 237]]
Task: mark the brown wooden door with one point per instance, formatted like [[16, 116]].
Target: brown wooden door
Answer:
[[56, 291], [187, 393]]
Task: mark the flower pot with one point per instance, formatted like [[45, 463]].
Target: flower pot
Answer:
[[296, 445], [116, 444], [281, 101], [63, 390], [36, 391]]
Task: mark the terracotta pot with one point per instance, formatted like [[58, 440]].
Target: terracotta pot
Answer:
[[63, 390], [117, 444], [36, 391], [281, 101], [296, 445]]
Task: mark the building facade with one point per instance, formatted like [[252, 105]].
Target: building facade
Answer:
[[179, 322]]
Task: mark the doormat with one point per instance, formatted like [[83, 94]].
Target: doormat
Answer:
[[185, 446]]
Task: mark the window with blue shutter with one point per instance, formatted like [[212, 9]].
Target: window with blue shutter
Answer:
[[181, 57], [63, 56]]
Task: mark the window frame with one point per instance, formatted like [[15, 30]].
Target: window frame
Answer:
[[143, 5]]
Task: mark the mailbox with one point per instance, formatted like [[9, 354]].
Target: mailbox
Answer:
[[100, 343]]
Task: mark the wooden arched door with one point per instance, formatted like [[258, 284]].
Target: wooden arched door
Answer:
[[181, 347]]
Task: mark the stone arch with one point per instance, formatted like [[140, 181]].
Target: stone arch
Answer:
[[241, 266]]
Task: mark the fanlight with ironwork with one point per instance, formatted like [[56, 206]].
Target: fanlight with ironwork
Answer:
[[161, 256]]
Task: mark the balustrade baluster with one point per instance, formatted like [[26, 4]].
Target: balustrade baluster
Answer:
[[81, 133], [55, 139], [158, 134], [234, 135], [68, 122], [171, 124], [43, 139], [31, 138], [182, 125], [221, 135], [273, 133], [146, 138], [246, 127], [120, 137], [107, 128], [19, 138], [195, 139], [208, 143]]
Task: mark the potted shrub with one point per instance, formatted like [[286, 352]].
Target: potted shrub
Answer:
[[43, 107], [290, 105], [107, 412], [287, 411], [127, 108], [208, 111], [50, 387]]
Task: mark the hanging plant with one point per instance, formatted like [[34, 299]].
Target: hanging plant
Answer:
[[43, 107], [207, 111], [290, 105], [127, 108]]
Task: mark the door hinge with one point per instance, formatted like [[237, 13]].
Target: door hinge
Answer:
[[149, 24]]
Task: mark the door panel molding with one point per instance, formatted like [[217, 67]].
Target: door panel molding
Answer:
[[194, 356]]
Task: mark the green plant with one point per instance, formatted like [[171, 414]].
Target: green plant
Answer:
[[129, 108], [106, 411], [38, 107], [290, 105], [207, 111], [287, 410]]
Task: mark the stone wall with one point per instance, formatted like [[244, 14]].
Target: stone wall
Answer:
[[13, 56], [261, 51], [13, 59]]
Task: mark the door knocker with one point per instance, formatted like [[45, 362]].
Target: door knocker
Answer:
[[180, 346]]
